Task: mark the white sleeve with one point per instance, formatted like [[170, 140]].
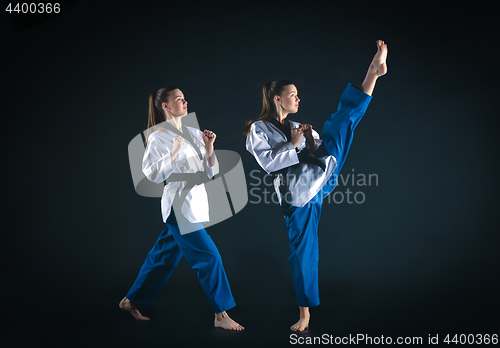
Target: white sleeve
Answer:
[[156, 163], [211, 171], [270, 159]]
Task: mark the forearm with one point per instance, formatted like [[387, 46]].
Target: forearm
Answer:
[[210, 155], [278, 158], [173, 155]]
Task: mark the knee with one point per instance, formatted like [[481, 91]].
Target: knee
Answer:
[[215, 257], [212, 257]]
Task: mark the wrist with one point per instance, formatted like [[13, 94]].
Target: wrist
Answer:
[[209, 149]]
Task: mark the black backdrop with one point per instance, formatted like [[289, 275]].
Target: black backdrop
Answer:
[[418, 257]]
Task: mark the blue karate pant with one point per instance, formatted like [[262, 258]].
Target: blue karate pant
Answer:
[[302, 222], [202, 256]]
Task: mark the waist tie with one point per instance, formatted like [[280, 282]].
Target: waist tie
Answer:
[[305, 157], [191, 179]]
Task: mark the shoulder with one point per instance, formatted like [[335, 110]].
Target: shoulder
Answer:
[[261, 130], [259, 126], [154, 135]]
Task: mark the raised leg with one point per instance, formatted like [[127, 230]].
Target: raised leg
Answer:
[[378, 67], [338, 130]]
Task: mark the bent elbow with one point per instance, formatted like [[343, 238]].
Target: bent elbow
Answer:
[[153, 175]]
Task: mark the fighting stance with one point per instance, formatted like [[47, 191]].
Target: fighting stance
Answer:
[[307, 167], [176, 154]]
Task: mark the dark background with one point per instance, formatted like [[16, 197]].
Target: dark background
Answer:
[[418, 257]]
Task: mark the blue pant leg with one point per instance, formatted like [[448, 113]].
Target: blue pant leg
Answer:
[[302, 225], [338, 130], [203, 256], [158, 267]]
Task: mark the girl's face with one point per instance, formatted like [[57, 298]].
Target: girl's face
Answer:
[[177, 105], [289, 99]]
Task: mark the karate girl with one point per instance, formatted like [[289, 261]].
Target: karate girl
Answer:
[[176, 154], [307, 167]]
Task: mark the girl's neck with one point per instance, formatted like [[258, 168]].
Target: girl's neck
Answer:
[[281, 114], [176, 122], [281, 118]]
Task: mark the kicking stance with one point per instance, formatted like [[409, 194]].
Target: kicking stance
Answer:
[[306, 167], [180, 156]]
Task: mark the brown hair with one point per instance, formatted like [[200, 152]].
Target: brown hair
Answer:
[[156, 115], [269, 90]]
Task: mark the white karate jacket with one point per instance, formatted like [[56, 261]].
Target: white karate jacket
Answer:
[[157, 167], [273, 152]]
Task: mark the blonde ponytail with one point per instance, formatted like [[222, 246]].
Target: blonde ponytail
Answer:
[[156, 115]]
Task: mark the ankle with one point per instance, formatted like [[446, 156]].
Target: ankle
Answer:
[[372, 71], [221, 315], [304, 313]]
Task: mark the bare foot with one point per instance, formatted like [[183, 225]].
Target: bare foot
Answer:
[[129, 307], [223, 321], [378, 64], [301, 325]]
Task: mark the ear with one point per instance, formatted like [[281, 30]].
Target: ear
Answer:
[[276, 98], [164, 105]]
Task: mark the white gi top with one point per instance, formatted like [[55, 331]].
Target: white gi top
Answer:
[[273, 152], [157, 167]]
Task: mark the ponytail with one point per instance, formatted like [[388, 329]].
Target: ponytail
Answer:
[[156, 115], [269, 90]]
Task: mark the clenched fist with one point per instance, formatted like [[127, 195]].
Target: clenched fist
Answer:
[[306, 130], [208, 137]]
